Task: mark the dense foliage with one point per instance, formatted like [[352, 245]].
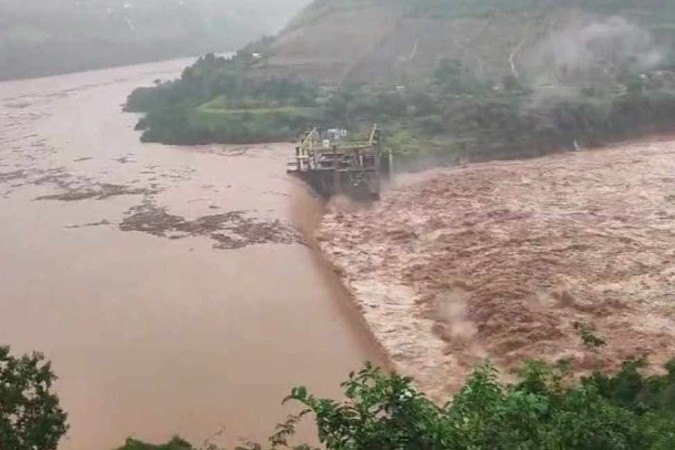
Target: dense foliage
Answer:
[[592, 81], [453, 115], [542, 411], [216, 101], [174, 444], [30, 415], [546, 409]]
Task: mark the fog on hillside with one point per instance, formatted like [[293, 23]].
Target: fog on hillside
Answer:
[[45, 37]]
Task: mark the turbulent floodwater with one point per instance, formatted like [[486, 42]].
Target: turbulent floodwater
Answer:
[[168, 285], [499, 260]]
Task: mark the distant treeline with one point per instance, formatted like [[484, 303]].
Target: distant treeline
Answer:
[[452, 115]]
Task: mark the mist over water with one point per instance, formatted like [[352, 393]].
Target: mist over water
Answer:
[[158, 332]]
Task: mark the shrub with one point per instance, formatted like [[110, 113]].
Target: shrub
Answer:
[[175, 443]]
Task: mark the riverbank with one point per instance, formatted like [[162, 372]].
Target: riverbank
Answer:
[[498, 260]]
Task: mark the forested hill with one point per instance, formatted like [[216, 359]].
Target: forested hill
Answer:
[[396, 40], [42, 37], [451, 79]]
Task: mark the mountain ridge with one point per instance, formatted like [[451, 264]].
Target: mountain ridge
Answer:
[[446, 80], [399, 41], [40, 38]]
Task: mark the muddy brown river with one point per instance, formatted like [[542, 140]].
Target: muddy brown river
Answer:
[[169, 286]]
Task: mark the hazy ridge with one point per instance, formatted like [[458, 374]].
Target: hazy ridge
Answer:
[[401, 40], [56, 36]]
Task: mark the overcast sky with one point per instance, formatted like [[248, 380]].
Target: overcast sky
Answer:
[[270, 13]]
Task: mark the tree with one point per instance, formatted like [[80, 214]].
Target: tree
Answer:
[[545, 410], [30, 415]]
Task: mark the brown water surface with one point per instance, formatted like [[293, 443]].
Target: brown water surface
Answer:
[[168, 285]]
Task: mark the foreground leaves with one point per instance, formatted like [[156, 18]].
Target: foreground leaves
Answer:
[[30, 415], [385, 411]]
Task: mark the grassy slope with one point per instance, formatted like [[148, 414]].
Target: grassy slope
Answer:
[[213, 119], [400, 40], [325, 41], [214, 114]]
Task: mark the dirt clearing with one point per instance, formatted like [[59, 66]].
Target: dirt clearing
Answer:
[[498, 260]]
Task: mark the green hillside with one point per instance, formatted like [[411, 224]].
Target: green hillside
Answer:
[[446, 79]]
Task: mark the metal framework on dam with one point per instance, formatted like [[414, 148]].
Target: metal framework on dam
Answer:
[[332, 165]]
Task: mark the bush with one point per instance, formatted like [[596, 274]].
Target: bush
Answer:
[[174, 444], [543, 411]]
